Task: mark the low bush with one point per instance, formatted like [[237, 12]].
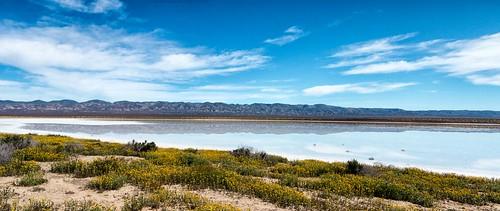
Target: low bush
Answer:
[[72, 148], [308, 168], [94, 168], [18, 167], [39, 153], [142, 146], [353, 167], [10, 143], [31, 179], [84, 205], [250, 153], [107, 182], [39, 205], [402, 193], [190, 159]]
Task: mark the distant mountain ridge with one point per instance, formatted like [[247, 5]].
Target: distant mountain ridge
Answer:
[[257, 110]]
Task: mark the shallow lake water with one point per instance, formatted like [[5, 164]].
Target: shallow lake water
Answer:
[[462, 150]]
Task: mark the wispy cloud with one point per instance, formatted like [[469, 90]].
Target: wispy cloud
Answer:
[[291, 34], [372, 47], [474, 59], [101, 62], [95, 6], [360, 88], [233, 87]]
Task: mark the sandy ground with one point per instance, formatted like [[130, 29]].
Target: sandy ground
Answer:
[[63, 187]]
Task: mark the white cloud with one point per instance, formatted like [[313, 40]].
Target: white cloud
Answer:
[[357, 61], [360, 88], [226, 87], [485, 80], [474, 59], [100, 62], [96, 6], [387, 67], [375, 46], [291, 34], [235, 88], [6, 83]]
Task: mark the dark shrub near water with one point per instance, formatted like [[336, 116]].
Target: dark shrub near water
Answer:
[[142, 146], [354, 167], [248, 152]]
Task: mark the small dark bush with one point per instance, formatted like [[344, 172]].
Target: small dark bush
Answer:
[[354, 167], [10, 143], [142, 146], [190, 159], [242, 152], [18, 141], [73, 148], [191, 150], [247, 152]]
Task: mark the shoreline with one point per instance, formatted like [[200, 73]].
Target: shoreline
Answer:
[[395, 121]]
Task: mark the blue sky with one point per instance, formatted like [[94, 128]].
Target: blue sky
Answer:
[[405, 54]]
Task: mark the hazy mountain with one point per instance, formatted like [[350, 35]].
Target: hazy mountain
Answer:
[[318, 111]]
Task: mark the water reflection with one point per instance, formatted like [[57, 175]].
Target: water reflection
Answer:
[[463, 150], [223, 127]]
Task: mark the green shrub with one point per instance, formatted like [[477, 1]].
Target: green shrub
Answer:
[[31, 179], [191, 150], [72, 148], [89, 169], [308, 168], [10, 143], [84, 205], [18, 141], [142, 146], [39, 205], [190, 159], [249, 153], [107, 182], [403, 193], [39, 153], [353, 167], [18, 167]]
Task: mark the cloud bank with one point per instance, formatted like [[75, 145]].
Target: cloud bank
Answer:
[[100, 62], [475, 59], [359, 88]]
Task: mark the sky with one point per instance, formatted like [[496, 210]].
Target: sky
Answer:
[[393, 54]]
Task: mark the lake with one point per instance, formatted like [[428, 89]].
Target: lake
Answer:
[[463, 150]]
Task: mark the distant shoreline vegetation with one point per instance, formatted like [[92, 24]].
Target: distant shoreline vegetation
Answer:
[[256, 111], [300, 184]]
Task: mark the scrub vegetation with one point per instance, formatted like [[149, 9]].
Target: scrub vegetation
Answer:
[[302, 185]]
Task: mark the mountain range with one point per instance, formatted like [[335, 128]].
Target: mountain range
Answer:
[[257, 110]]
